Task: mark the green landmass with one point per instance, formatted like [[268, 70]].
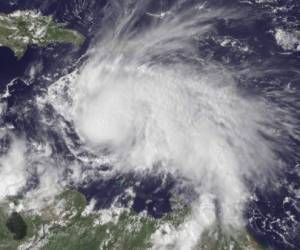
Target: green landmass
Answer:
[[217, 239], [20, 29], [73, 229]]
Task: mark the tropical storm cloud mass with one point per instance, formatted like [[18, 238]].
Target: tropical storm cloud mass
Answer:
[[178, 120]]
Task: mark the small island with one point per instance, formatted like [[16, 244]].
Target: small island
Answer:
[[20, 29]]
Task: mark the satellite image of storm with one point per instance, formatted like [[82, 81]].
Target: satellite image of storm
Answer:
[[149, 124]]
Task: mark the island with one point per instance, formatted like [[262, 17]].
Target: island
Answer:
[[20, 29]]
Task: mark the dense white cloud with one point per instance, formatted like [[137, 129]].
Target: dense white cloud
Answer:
[[192, 121], [187, 235], [188, 117], [13, 169]]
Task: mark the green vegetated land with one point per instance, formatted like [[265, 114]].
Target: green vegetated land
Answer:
[[20, 29], [71, 229]]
